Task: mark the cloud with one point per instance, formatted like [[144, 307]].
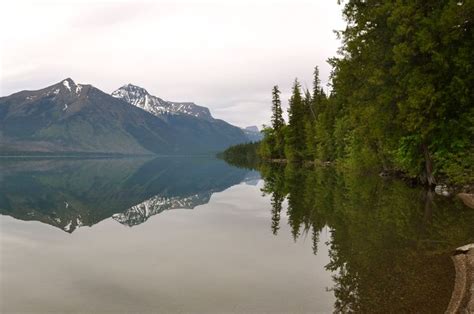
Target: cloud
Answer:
[[224, 55]]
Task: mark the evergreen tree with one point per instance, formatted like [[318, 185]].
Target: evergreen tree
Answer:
[[278, 124], [296, 129], [266, 149], [403, 79], [401, 94], [309, 124], [316, 83], [277, 113]]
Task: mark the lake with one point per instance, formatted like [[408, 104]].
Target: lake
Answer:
[[197, 235]]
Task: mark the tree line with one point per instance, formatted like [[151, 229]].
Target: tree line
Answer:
[[401, 95], [242, 155]]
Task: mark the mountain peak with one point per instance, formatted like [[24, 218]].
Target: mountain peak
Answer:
[[139, 97], [253, 133], [68, 83], [70, 86], [134, 95], [252, 128], [134, 88]]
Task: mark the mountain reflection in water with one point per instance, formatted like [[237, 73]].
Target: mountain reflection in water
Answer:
[[316, 240], [72, 193]]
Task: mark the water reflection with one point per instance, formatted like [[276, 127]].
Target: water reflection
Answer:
[[390, 244], [387, 246], [220, 258], [72, 193]]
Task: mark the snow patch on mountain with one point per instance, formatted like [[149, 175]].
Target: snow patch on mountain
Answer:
[[70, 86], [139, 97], [66, 83]]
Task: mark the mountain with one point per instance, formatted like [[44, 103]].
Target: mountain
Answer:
[[140, 98], [252, 128], [73, 118], [252, 133]]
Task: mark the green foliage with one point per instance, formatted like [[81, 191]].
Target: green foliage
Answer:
[[277, 112], [405, 79], [242, 155], [296, 117], [401, 94], [278, 124], [267, 146], [273, 144]]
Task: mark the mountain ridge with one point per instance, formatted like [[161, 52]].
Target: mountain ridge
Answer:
[[141, 98], [68, 117]]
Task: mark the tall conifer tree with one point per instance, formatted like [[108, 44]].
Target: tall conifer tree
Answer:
[[277, 124], [277, 113], [296, 138]]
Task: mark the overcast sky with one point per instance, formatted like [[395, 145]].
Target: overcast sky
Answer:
[[225, 55]]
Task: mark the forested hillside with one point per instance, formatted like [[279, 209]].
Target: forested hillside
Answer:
[[401, 95]]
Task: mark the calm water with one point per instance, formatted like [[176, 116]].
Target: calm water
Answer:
[[196, 235]]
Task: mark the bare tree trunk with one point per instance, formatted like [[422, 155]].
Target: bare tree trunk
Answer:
[[427, 177]]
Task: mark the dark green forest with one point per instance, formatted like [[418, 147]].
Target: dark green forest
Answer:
[[401, 95], [242, 155]]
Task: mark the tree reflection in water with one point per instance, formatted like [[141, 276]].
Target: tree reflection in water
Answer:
[[390, 244]]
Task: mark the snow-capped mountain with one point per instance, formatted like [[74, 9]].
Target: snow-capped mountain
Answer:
[[74, 118], [139, 97]]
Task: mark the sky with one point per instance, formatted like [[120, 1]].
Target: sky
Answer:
[[225, 55]]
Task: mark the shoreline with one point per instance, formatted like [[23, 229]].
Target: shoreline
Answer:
[[465, 192]]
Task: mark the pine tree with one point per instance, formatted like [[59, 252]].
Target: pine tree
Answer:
[[405, 79], [309, 122], [277, 113], [308, 106], [296, 129], [401, 93], [316, 81], [277, 151]]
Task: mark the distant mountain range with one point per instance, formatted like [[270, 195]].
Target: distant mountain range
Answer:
[[74, 118]]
